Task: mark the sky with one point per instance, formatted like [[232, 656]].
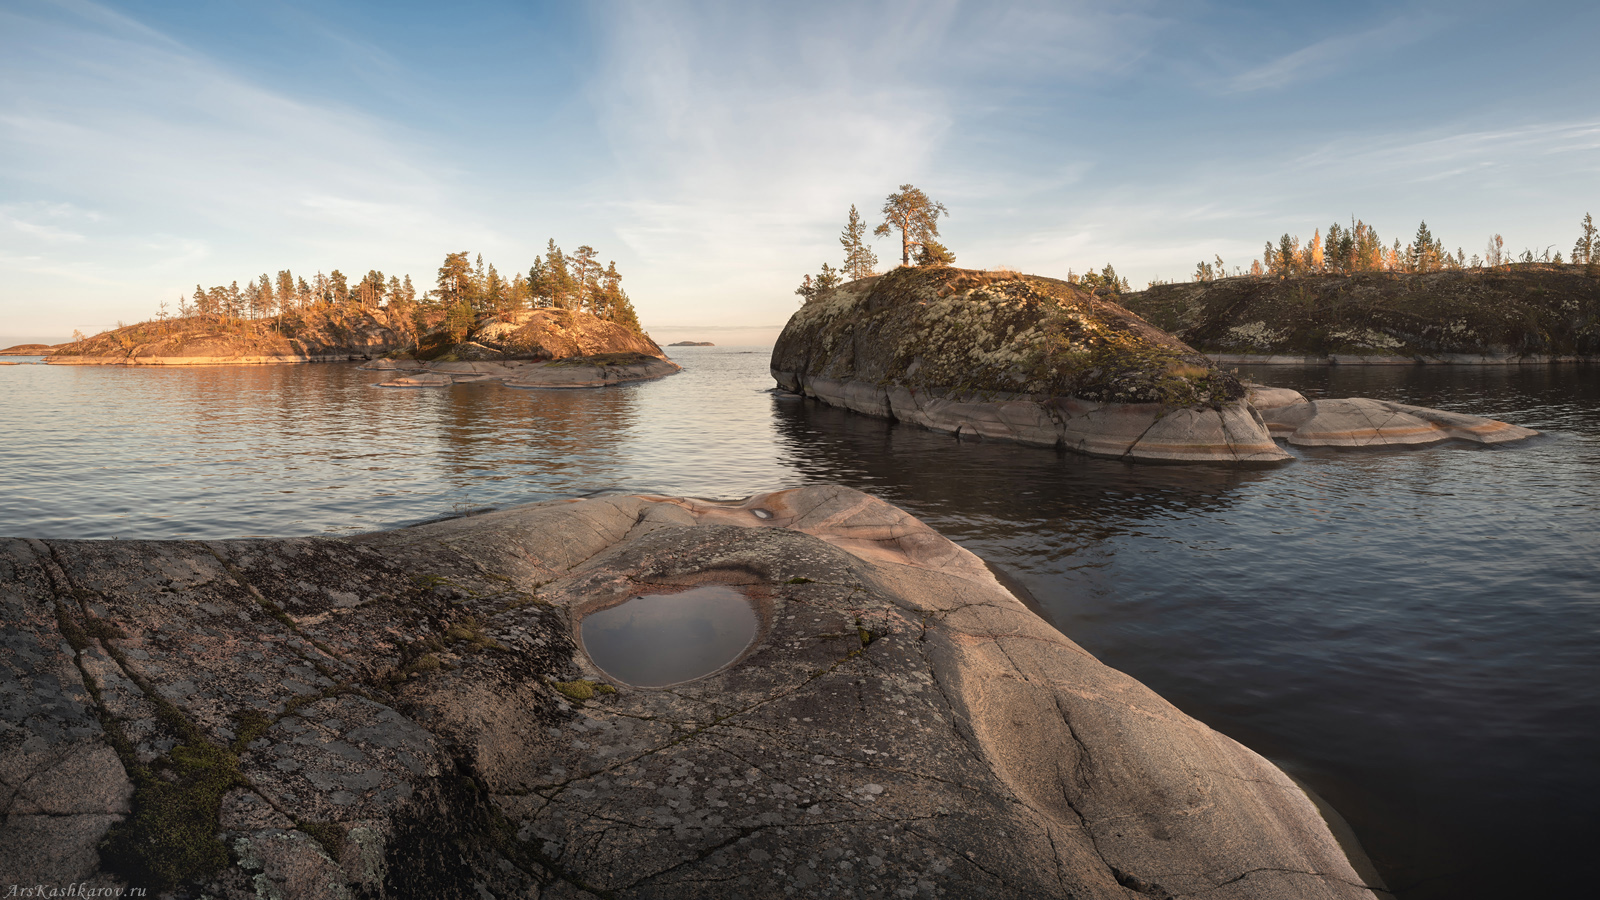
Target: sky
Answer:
[[713, 150]]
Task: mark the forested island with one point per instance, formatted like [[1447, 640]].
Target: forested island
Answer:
[[563, 306]]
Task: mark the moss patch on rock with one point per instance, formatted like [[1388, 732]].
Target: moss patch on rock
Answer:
[[965, 333]]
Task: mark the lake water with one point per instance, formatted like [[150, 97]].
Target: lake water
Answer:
[[1415, 634]]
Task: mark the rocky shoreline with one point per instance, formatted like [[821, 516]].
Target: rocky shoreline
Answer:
[[412, 713]]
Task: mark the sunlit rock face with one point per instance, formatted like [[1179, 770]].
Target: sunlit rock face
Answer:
[[410, 713], [1359, 422], [1020, 358]]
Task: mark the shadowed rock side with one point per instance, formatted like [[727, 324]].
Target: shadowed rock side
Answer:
[[591, 371], [1359, 422], [1021, 358], [1532, 313], [407, 714]]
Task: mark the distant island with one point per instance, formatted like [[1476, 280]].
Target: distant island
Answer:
[[564, 307], [691, 344], [29, 350]]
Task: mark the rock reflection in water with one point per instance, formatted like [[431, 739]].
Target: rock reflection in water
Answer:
[[659, 639]]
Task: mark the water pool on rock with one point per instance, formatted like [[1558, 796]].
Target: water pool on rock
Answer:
[[655, 640]]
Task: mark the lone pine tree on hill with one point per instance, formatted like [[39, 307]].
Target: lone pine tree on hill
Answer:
[[917, 218]]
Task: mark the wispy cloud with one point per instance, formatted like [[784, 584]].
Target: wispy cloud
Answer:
[[1334, 54]]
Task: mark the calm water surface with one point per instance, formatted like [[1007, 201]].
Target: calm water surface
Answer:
[[1416, 634]]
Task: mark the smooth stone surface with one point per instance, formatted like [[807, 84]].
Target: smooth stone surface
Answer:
[[901, 720], [1136, 431], [1360, 422], [577, 373]]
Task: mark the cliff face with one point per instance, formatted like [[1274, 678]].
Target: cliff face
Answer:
[[1536, 311], [1020, 357]]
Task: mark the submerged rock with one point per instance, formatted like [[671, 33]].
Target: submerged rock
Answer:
[[1021, 358], [1359, 422], [409, 714]]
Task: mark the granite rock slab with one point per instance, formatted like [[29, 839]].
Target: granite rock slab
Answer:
[[412, 713]]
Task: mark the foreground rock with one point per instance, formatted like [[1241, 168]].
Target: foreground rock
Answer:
[[581, 372], [1020, 358], [409, 714], [1526, 313], [1359, 422]]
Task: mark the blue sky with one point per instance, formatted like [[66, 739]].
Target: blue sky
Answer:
[[714, 149]]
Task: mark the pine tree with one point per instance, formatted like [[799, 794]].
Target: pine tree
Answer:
[[933, 253], [454, 279], [494, 293], [558, 279], [1369, 248], [539, 284], [286, 292], [338, 287], [1587, 249], [265, 300], [1424, 252], [859, 260], [915, 215], [1288, 255], [585, 270]]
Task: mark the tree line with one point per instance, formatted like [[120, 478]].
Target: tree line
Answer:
[[465, 291], [556, 280], [1357, 248]]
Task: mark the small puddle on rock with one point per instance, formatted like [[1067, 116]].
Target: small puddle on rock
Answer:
[[659, 639]]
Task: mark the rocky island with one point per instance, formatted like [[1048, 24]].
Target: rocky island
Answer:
[[1522, 313], [527, 348], [420, 713], [1051, 363], [691, 344]]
